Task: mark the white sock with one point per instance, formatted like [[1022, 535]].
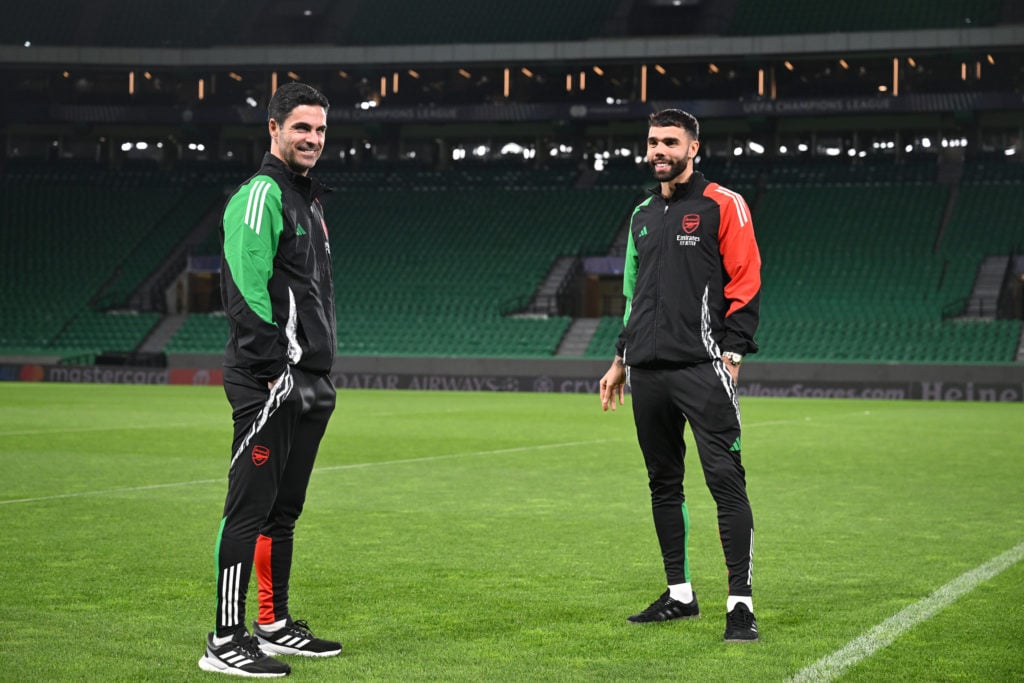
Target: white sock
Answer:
[[274, 627], [222, 641], [683, 592], [737, 599]]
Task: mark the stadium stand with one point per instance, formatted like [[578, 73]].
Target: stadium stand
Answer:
[[200, 333], [851, 272], [434, 272], [94, 332], [987, 219], [602, 344], [434, 263], [865, 259], [82, 239], [426, 269]]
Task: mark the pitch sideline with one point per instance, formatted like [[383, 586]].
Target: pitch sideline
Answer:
[[833, 665]]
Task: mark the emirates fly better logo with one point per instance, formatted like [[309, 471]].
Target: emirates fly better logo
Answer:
[[260, 454]]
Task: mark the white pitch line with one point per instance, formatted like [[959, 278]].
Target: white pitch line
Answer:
[[831, 666], [333, 468]]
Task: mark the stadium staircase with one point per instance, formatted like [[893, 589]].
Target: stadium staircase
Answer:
[[578, 337], [987, 287], [545, 300], [151, 294], [161, 334]]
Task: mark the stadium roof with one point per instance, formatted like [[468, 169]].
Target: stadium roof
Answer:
[[605, 49]]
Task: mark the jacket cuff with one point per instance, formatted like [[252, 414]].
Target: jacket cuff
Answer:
[[737, 344], [270, 372]]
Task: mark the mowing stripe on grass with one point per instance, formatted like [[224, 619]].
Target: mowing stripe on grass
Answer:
[[352, 466], [86, 429], [431, 458], [219, 423], [80, 494], [831, 666]]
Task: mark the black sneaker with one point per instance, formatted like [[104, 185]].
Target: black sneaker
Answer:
[[295, 638], [666, 608], [740, 625], [241, 656]]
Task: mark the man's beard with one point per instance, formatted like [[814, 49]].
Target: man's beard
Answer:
[[675, 169]]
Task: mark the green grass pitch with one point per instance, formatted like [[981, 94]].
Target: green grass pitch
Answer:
[[505, 537]]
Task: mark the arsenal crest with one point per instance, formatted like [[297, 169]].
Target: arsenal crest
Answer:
[[260, 454], [691, 222]]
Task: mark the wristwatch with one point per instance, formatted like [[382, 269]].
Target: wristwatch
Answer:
[[732, 358]]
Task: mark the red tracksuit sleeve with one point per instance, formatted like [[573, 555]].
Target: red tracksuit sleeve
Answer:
[[742, 263]]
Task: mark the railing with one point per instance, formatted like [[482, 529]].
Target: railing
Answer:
[[1005, 301], [563, 301], [567, 297]]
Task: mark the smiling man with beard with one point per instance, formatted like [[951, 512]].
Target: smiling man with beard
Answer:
[[692, 283], [278, 292]]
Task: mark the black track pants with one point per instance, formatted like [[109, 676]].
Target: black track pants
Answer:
[[277, 434], [664, 400]]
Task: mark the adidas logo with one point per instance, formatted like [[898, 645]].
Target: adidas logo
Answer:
[[299, 232], [294, 641], [236, 658], [735, 447], [643, 232]]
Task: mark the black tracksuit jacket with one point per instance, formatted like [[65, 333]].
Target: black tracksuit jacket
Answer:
[[692, 277], [276, 276]]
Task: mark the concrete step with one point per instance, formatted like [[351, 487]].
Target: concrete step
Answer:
[[162, 333], [578, 337]]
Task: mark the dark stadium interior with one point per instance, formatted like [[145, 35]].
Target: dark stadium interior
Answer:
[[486, 161]]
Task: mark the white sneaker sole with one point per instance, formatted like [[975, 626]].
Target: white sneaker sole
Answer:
[[219, 667]]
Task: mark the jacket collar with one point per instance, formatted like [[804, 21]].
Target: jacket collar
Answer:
[[682, 190], [306, 185]]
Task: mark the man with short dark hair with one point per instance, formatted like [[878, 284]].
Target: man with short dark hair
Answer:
[[692, 285], [278, 292]]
